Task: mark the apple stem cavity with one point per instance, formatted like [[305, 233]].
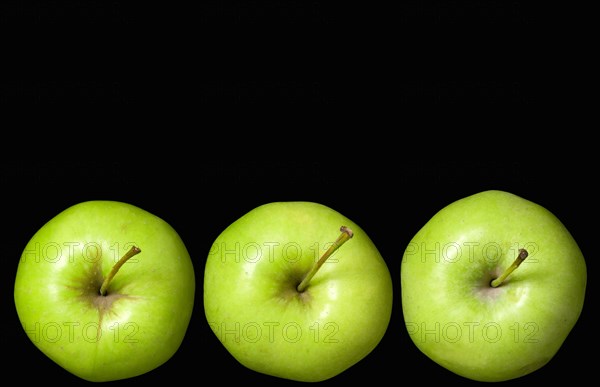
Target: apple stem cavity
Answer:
[[343, 238], [520, 258], [133, 251]]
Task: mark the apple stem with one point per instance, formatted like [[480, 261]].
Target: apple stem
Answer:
[[343, 238], [520, 258], [132, 251]]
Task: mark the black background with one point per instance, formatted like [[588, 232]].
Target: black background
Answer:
[[200, 113]]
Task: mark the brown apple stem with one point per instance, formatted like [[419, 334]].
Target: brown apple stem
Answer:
[[520, 258], [343, 238], [132, 251]]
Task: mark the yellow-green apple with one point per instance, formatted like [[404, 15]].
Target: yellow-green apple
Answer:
[[491, 286], [106, 290], [297, 291]]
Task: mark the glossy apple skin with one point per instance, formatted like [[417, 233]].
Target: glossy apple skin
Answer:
[[252, 305], [482, 333], [146, 312]]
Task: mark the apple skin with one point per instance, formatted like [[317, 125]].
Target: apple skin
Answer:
[[483, 333], [144, 315], [252, 305]]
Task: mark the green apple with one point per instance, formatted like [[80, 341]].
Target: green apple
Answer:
[[297, 291], [105, 289], [491, 286]]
